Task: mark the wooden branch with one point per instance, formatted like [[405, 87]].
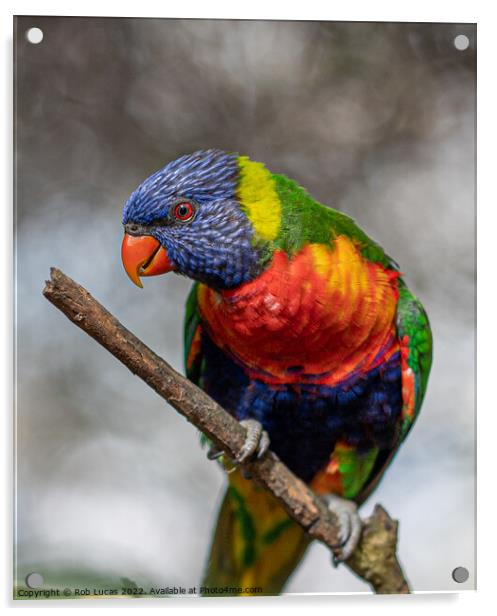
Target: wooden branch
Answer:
[[374, 559]]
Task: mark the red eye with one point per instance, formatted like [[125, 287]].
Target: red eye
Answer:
[[183, 211]]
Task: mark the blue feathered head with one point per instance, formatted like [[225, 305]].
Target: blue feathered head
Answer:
[[186, 217]]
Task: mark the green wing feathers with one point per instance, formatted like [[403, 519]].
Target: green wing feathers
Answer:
[[416, 347], [192, 338]]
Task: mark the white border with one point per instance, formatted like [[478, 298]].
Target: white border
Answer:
[[380, 10]]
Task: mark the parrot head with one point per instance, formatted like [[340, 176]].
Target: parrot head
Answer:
[[209, 215]]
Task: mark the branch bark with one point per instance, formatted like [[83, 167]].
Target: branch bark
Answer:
[[374, 559]]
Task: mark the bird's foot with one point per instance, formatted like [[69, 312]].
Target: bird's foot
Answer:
[[350, 526], [256, 441], [256, 445]]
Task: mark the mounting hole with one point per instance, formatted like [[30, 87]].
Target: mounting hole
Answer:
[[461, 42], [34, 35], [460, 574], [34, 580]]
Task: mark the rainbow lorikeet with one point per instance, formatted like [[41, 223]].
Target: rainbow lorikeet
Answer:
[[300, 326]]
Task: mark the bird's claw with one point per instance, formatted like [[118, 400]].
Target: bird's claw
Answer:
[[214, 453], [256, 444], [350, 526]]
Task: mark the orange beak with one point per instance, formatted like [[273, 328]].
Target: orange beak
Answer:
[[143, 255]]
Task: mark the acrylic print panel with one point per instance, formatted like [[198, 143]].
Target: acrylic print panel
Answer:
[[114, 492]]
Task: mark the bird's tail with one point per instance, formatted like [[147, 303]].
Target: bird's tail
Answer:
[[256, 545]]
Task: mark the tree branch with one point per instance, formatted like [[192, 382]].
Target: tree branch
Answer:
[[374, 559]]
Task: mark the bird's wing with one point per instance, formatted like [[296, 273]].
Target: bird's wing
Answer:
[[193, 337], [415, 340]]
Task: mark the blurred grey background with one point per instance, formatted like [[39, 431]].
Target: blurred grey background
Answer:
[[377, 120]]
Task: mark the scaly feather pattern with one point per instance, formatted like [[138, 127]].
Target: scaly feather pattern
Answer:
[[281, 328]]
